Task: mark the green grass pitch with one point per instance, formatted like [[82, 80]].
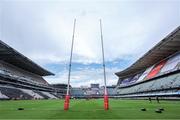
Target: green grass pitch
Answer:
[[88, 109]]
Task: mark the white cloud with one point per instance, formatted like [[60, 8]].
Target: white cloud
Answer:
[[45, 28], [85, 77], [42, 30]]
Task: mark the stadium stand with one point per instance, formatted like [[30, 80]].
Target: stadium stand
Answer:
[[21, 78], [157, 73], [43, 94], [111, 91], [78, 92], [60, 89], [14, 93], [94, 91], [32, 93], [2, 96], [49, 95]]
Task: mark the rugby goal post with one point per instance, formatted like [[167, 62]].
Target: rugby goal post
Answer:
[[67, 97]]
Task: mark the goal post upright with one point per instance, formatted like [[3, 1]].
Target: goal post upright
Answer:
[[106, 101], [67, 97]]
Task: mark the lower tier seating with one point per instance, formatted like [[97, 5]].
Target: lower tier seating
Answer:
[[10, 92], [13, 93]]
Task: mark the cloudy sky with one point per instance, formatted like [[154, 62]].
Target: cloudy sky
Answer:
[[42, 31]]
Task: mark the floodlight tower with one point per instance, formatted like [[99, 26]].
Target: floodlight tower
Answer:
[[67, 97], [106, 101]]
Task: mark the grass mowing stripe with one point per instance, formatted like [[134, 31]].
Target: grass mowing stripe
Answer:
[[88, 109]]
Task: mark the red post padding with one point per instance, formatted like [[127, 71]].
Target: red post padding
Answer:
[[66, 102], [106, 102]]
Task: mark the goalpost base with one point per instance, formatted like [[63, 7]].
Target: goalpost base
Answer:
[[106, 102], [66, 102]]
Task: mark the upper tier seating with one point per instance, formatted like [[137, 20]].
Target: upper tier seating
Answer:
[[17, 73], [165, 66], [171, 81]]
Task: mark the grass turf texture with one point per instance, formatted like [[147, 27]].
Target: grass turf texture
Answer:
[[88, 109]]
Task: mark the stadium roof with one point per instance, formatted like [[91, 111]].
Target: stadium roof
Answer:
[[10, 55], [166, 47]]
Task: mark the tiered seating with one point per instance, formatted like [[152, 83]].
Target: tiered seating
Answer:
[[19, 74], [46, 95], [153, 94], [14, 75], [77, 92], [165, 66], [9, 92], [176, 83], [22, 93], [51, 96], [2, 96], [13, 93], [32, 93], [169, 82], [41, 94], [162, 76]]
